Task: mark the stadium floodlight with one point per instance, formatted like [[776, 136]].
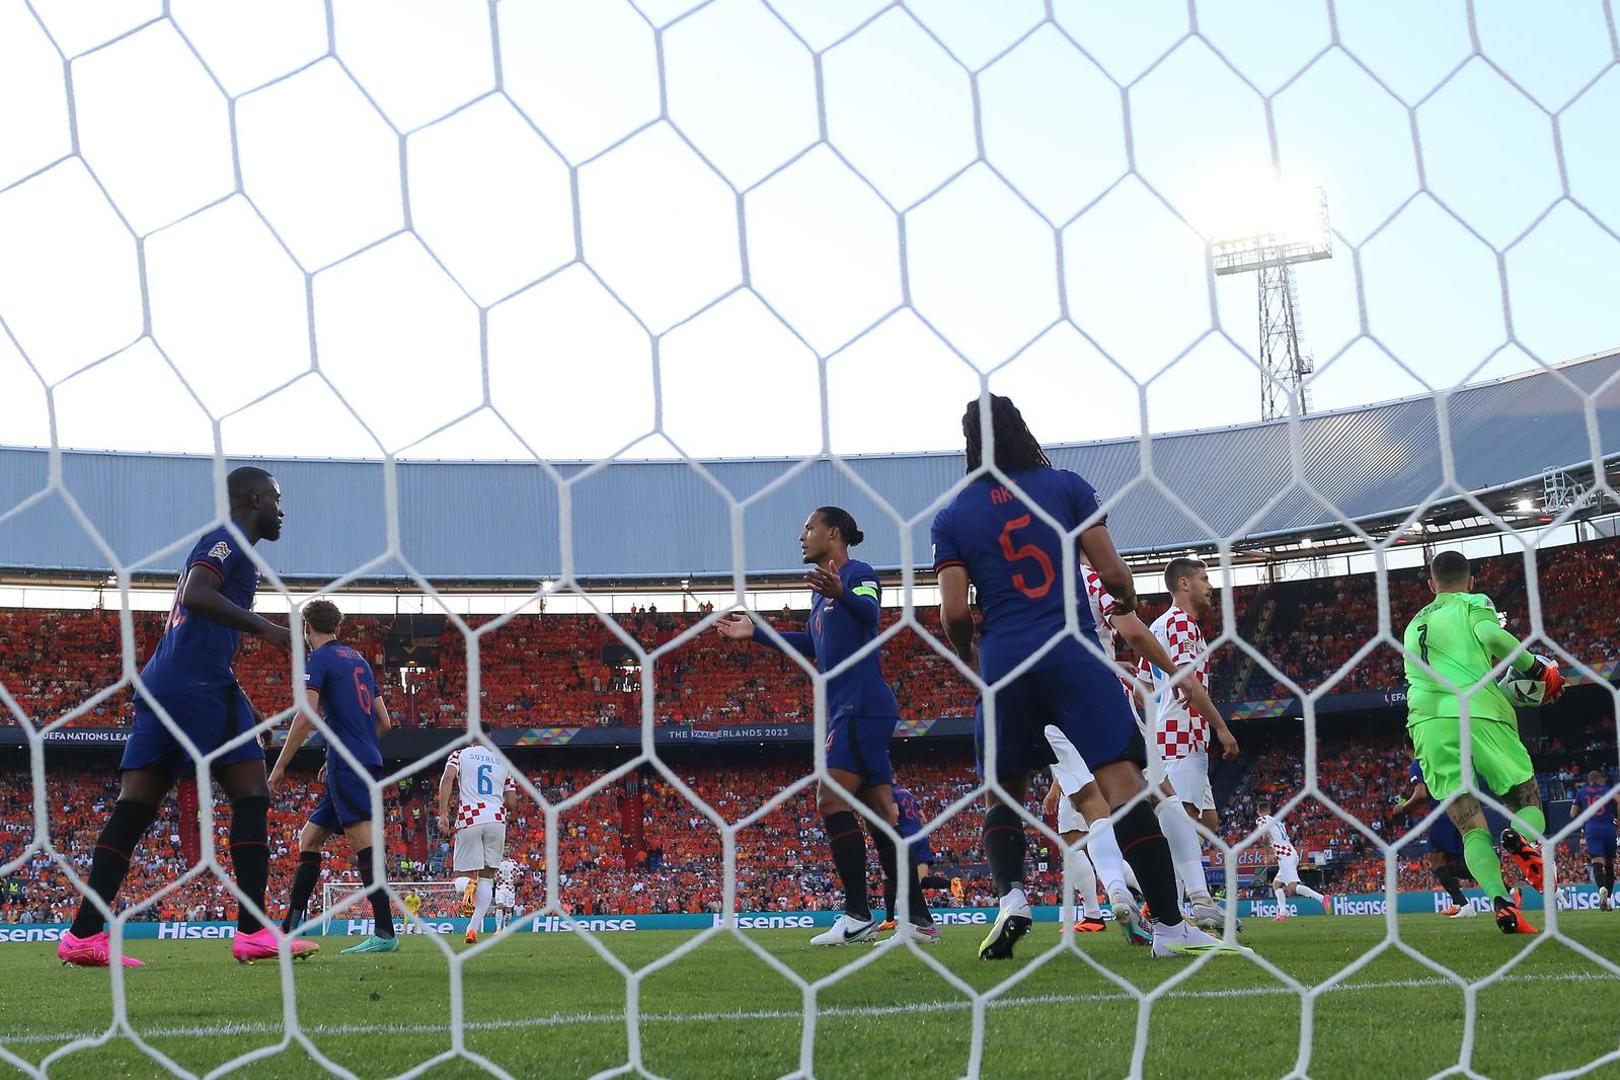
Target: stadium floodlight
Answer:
[[1267, 229], [1524, 506]]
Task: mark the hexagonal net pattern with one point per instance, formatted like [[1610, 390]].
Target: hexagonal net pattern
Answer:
[[696, 180]]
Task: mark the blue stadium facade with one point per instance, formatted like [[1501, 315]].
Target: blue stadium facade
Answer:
[[652, 520]]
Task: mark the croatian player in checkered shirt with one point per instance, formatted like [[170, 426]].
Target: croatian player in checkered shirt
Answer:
[[1287, 882], [487, 794], [1083, 803], [1181, 733]]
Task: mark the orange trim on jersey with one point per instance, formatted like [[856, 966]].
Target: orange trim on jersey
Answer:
[[948, 562], [204, 562]]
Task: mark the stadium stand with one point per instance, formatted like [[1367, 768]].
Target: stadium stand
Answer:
[[570, 669], [672, 862]]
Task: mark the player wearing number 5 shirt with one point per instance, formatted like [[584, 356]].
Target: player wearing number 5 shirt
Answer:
[[487, 794], [1006, 535]]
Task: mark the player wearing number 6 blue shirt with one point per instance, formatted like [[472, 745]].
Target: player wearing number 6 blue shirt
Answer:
[[339, 685], [997, 536], [861, 715]]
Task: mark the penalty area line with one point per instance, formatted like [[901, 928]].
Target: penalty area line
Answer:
[[855, 1011]]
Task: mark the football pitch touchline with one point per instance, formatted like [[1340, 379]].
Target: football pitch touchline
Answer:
[[858, 1011]]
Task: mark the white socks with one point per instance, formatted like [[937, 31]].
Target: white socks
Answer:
[[1085, 883], [1103, 848], [1282, 900], [1310, 893], [1186, 851], [486, 890]]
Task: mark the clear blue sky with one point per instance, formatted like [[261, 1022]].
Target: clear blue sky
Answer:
[[1435, 145]]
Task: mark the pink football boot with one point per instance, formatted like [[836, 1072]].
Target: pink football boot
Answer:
[[261, 945], [92, 951]]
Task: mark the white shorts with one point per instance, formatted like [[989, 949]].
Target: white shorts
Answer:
[[1189, 779], [504, 897], [1071, 772], [1287, 870], [1069, 819], [480, 847]]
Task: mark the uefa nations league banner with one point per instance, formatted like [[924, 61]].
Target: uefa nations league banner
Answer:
[[1570, 898]]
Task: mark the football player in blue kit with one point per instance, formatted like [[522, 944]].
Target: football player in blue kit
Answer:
[[862, 714], [908, 823], [189, 676], [339, 684], [1600, 834], [1445, 847], [990, 538]]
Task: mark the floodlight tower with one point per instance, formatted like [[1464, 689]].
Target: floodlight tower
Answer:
[[1271, 256]]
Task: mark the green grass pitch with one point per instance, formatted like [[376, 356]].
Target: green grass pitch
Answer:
[[548, 1005]]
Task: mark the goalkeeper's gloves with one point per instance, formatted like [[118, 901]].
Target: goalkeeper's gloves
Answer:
[[1551, 678]]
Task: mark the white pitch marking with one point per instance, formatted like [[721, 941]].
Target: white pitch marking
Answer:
[[913, 1008]]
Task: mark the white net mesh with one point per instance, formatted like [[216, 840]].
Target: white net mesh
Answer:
[[620, 174]]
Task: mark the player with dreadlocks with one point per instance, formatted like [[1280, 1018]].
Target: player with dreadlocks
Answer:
[[997, 536]]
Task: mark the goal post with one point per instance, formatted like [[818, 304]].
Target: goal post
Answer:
[[438, 900]]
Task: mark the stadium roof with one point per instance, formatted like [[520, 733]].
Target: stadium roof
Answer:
[[501, 521]]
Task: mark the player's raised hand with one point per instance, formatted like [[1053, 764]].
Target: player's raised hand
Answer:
[[735, 626], [825, 580]]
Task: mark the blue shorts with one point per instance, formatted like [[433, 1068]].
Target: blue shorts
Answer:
[[346, 800], [1082, 697], [1600, 843], [921, 853], [210, 719], [1444, 837], [860, 744]]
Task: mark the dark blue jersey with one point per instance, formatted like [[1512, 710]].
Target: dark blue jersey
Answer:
[[1414, 774], [1015, 561], [1592, 795], [909, 822], [195, 653], [837, 629], [347, 688]]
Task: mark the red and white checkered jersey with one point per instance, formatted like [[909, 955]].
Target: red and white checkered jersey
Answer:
[[1178, 730], [483, 780], [1272, 831], [1103, 608], [507, 875]]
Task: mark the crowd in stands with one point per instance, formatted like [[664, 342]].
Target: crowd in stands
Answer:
[[538, 670], [674, 862], [533, 671], [79, 802], [574, 670]]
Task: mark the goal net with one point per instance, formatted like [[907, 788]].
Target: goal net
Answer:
[[569, 235], [430, 902]]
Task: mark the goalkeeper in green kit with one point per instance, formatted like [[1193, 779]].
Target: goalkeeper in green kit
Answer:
[[1451, 646]]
